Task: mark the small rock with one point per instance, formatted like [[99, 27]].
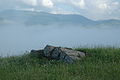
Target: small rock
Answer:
[[67, 55], [37, 53]]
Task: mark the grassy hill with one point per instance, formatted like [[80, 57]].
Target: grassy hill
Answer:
[[99, 64]]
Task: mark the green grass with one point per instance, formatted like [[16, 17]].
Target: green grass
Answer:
[[99, 64]]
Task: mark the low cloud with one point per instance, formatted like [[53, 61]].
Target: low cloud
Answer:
[[94, 9], [48, 3], [80, 4], [30, 2]]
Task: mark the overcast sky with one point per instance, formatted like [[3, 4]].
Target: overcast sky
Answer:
[[93, 9]]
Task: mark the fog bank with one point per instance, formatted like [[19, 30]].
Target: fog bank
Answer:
[[16, 39]]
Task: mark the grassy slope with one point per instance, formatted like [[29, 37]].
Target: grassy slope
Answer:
[[100, 64]]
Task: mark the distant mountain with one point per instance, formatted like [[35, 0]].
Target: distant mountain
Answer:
[[1, 20], [42, 18], [109, 23]]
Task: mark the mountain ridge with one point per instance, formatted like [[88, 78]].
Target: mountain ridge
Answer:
[[43, 18]]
